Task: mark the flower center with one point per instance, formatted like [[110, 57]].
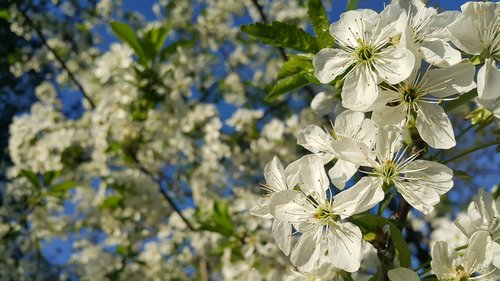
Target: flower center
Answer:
[[388, 171], [365, 53], [325, 214], [408, 93]]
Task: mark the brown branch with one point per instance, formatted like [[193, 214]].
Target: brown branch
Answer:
[[58, 58]]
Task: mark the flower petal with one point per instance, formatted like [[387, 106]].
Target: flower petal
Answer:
[[479, 253], [282, 233], [313, 178], [354, 151], [291, 206], [352, 25], [434, 126], [360, 88], [394, 64], [341, 172], [418, 195], [330, 63], [390, 115], [306, 251], [348, 123], [345, 246], [444, 260], [365, 194], [444, 82], [315, 139], [439, 53], [431, 174], [275, 175], [402, 274], [488, 81]]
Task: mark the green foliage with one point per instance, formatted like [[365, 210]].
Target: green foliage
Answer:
[[32, 178], [283, 35], [352, 5], [463, 99], [125, 33], [372, 224], [154, 39], [218, 220], [319, 21], [399, 242], [111, 202], [292, 75], [60, 190]]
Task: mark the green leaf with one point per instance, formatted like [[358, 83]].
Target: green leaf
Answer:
[[218, 220], [172, 48], [284, 35], [370, 223], [49, 176], [462, 175], [59, 190], [461, 100], [319, 21], [286, 85], [111, 202], [32, 178], [125, 33], [154, 39], [295, 65], [5, 14], [352, 5], [399, 242]]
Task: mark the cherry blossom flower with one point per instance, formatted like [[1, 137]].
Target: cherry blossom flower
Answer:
[[364, 55]]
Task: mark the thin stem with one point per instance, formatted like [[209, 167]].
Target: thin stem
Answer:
[[58, 58], [471, 150]]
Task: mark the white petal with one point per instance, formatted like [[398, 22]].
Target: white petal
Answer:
[[307, 250], [496, 255], [291, 206], [479, 253], [368, 133], [431, 174], [324, 104], [341, 172], [360, 89], [330, 63], [313, 178], [444, 260], [390, 115], [444, 82], [282, 233], [352, 25], [389, 142], [345, 246], [275, 175], [394, 64], [262, 209], [488, 80], [361, 197], [418, 195], [354, 151], [348, 123], [314, 139], [439, 53], [466, 35], [434, 126], [465, 224], [402, 274]]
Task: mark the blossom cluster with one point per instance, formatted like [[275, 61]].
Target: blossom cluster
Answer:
[[394, 69]]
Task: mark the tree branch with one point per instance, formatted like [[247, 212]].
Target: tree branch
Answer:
[[57, 57]]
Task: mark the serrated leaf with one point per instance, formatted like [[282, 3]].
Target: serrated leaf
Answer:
[[352, 5], [32, 178], [284, 35], [399, 242], [286, 85], [319, 21], [126, 34], [295, 65]]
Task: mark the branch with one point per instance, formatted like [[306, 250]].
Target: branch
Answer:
[[58, 58]]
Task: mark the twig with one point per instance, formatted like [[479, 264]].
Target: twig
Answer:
[[58, 58]]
